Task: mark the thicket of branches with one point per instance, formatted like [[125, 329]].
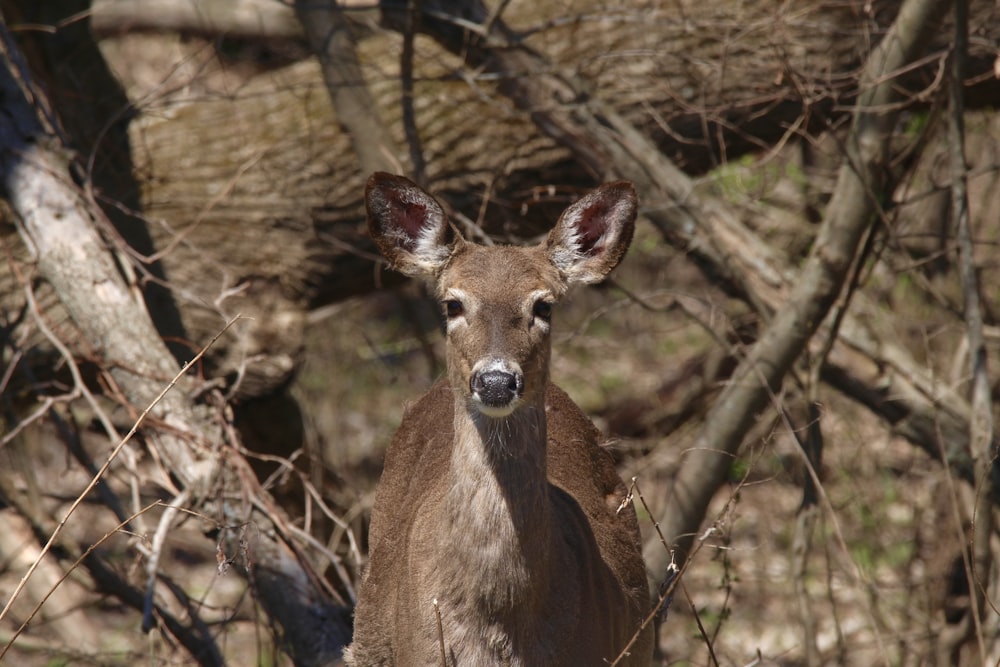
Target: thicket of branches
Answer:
[[169, 240]]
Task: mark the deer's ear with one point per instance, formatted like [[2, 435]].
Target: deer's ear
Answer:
[[407, 224], [593, 234]]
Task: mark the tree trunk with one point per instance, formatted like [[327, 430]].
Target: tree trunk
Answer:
[[59, 228], [265, 155]]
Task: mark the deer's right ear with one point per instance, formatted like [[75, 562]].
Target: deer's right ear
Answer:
[[593, 234], [407, 224]]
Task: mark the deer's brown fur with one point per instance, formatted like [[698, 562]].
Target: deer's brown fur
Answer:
[[497, 503]]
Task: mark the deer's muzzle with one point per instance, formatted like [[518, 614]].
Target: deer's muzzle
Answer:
[[497, 389]]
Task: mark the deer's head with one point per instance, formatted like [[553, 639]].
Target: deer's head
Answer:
[[498, 300]]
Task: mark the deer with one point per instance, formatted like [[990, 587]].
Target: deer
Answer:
[[499, 534]]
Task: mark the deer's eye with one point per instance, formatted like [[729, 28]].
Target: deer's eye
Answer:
[[542, 310], [453, 308]]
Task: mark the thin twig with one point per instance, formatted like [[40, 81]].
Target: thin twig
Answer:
[[981, 428], [675, 573], [417, 162], [153, 558], [440, 631], [65, 353], [666, 588], [69, 570], [313, 494], [104, 468], [39, 412]]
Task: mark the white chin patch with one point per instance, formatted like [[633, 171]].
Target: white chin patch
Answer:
[[495, 411]]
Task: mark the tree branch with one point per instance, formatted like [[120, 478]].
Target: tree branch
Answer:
[[981, 430], [57, 224], [708, 230], [331, 39], [861, 181], [268, 19]]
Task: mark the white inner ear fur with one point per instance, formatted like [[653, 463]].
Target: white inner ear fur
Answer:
[[428, 241], [577, 266], [568, 252], [429, 251]]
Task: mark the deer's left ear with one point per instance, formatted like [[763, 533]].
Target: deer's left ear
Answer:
[[593, 234]]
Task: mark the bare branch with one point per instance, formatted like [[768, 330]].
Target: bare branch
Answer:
[[851, 210], [981, 428], [242, 18], [407, 102], [58, 226], [332, 40]]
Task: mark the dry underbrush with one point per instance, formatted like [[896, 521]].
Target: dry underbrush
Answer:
[[879, 579]]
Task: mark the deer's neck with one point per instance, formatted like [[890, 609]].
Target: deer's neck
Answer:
[[498, 508]]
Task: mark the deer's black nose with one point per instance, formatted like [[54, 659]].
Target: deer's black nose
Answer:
[[496, 388]]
